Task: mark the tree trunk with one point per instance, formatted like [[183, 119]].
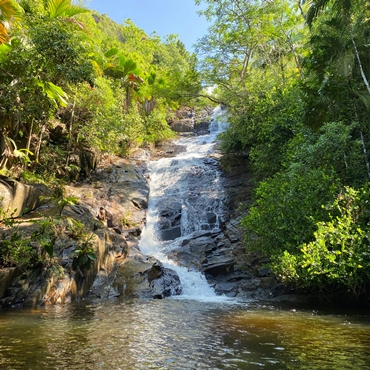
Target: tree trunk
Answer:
[[359, 63], [365, 154], [29, 137], [70, 131], [38, 148]]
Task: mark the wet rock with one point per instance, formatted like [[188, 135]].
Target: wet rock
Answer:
[[201, 245], [202, 128], [228, 289], [166, 285], [232, 233], [170, 213], [264, 272], [171, 234], [145, 277], [219, 262]]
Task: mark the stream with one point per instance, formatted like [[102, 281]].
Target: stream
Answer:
[[182, 334], [196, 330]]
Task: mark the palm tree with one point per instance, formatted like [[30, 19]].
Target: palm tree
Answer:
[[343, 10], [9, 12], [125, 70]]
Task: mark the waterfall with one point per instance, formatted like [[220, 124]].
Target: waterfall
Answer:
[[185, 187]]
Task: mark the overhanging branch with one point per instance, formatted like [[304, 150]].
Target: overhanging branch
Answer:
[[211, 98]]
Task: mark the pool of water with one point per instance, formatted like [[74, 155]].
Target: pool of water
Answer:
[[182, 334]]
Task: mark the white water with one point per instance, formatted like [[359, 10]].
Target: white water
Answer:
[[174, 177]]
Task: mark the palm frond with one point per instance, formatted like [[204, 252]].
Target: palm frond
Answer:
[[64, 8], [3, 34], [365, 97], [111, 52], [316, 6], [9, 10]]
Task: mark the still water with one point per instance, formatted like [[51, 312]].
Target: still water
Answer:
[[182, 334]]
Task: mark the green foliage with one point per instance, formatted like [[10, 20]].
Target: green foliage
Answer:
[[46, 233], [339, 254], [76, 229], [17, 251], [287, 207], [85, 255], [111, 86], [62, 51], [298, 101], [64, 8], [15, 248], [156, 126]]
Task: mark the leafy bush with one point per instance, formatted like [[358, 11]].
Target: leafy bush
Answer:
[[287, 207], [16, 249], [85, 255], [339, 255]]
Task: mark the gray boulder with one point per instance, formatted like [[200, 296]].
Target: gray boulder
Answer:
[[17, 198], [183, 125], [144, 277]]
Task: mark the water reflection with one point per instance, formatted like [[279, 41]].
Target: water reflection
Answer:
[[180, 334]]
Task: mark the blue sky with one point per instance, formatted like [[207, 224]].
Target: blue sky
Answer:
[[162, 16]]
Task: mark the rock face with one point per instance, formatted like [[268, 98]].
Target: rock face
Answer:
[[116, 194], [112, 209], [219, 252], [170, 219], [17, 198], [189, 121], [136, 275]]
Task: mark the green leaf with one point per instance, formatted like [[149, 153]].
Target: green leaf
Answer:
[[49, 248], [111, 52], [64, 8], [54, 92]]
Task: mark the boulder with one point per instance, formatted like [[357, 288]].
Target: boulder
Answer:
[[116, 194], [202, 127], [219, 262], [6, 276], [184, 112], [17, 198], [183, 125], [145, 277], [89, 159]]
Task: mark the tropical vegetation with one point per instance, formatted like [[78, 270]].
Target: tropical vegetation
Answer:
[[293, 75], [73, 80], [295, 78], [73, 84]]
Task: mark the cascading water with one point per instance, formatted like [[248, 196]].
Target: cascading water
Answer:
[[187, 188]]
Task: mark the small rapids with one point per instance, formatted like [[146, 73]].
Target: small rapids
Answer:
[[191, 181]]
